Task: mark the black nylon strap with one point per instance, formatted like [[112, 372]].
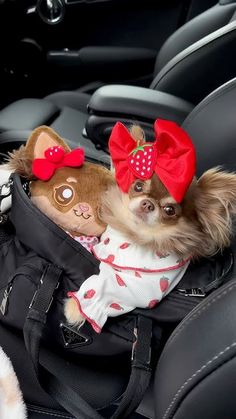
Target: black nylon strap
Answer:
[[71, 401], [37, 315], [68, 399], [141, 369], [78, 407], [137, 385]]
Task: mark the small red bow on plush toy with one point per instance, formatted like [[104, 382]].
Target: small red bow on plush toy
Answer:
[[172, 157], [56, 157]]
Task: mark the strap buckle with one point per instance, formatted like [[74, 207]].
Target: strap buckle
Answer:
[[192, 292], [34, 298]]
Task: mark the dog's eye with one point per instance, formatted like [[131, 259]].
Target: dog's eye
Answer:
[[138, 187], [169, 210]]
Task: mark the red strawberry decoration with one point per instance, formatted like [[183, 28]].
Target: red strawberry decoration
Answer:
[[164, 284], [124, 245], [120, 281], [116, 306], [153, 303], [54, 154], [142, 160], [110, 259], [89, 294]]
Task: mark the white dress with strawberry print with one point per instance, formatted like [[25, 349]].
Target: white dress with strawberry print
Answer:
[[130, 276]]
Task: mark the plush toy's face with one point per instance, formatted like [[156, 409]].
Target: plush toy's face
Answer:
[[71, 197]]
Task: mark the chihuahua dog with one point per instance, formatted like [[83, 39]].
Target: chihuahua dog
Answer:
[[158, 220]]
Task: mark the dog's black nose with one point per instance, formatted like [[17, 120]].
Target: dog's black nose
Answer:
[[146, 206]]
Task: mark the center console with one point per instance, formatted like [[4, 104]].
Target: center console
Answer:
[[131, 104]]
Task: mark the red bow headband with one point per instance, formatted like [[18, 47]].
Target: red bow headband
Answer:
[[56, 157], [172, 157]]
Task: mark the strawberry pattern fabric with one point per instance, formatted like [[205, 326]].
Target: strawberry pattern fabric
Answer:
[[130, 277]]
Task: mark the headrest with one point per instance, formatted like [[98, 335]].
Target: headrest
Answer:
[[212, 127]]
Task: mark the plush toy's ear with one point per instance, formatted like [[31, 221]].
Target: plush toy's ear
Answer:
[[40, 140]]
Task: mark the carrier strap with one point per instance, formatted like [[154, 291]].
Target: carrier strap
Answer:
[[37, 314], [52, 381]]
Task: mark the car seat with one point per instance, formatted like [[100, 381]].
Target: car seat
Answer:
[[194, 60], [195, 375]]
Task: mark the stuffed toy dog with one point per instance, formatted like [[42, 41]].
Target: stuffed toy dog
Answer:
[[62, 185]]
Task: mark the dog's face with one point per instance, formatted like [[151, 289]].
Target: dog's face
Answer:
[[197, 226], [151, 204]]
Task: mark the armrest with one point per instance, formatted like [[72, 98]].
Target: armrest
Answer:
[[27, 114], [131, 104], [13, 139], [140, 102]]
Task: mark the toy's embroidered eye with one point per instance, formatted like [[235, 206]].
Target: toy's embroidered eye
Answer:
[[64, 194], [67, 193], [138, 187], [169, 210]]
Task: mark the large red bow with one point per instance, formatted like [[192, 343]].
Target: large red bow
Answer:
[[172, 157], [56, 157]]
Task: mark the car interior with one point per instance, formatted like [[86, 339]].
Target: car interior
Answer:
[[79, 66]]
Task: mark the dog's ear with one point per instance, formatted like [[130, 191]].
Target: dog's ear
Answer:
[[43, 137], [137, 133], [216, 206]]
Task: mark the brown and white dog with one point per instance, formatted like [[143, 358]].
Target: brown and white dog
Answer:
[[199, 224], [163, 212]]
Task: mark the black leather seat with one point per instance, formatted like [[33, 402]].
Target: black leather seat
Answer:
[[193, 61], [196, 373]]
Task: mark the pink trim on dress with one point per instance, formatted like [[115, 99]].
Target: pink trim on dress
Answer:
[[92, 322], [129, 268]]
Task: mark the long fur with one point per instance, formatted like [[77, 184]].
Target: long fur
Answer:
[[203, 228]]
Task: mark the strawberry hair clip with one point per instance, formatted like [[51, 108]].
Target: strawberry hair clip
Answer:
[[171, 157]]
